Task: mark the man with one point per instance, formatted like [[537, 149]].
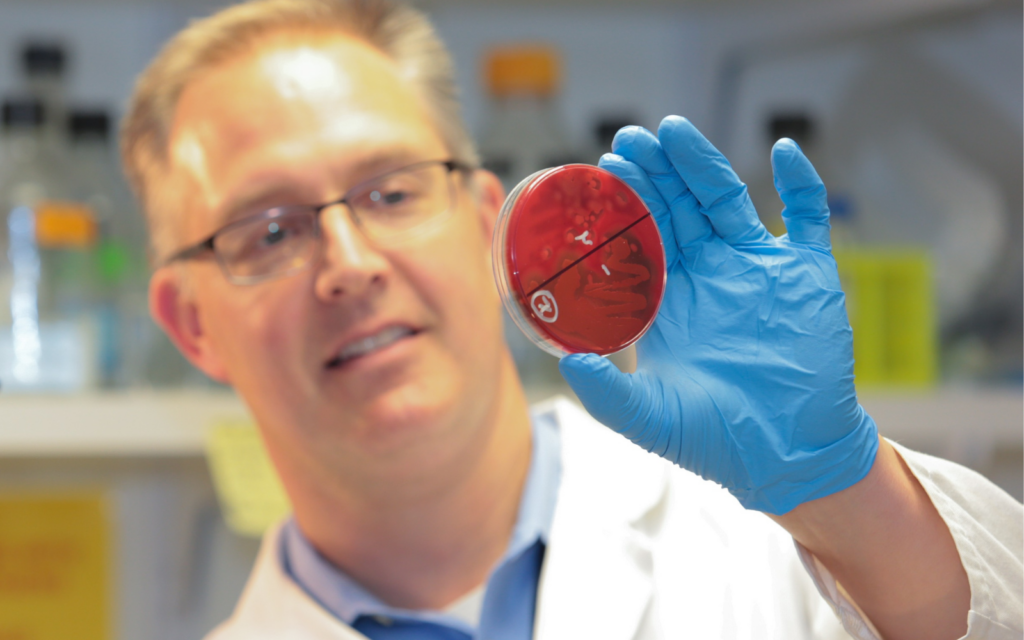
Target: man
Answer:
[[323, 237]]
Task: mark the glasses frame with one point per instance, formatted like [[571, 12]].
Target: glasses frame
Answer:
[[208, 244]]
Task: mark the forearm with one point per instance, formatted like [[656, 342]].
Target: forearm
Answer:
[[885, 543]]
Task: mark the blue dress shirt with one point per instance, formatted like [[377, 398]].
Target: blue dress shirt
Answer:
[[510, 594]]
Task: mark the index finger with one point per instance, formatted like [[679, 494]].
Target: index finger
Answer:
[[640, 146], [709, 176]]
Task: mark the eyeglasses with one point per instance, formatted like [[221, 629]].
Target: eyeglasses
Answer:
[[284, 240]]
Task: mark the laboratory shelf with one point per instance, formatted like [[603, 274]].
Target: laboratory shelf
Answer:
[[977, 427], [140, 423], [996, 413], [952, 420]]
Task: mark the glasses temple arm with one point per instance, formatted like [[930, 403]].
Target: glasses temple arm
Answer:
[[191, 252]]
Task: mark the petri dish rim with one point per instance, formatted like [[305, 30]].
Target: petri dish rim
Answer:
[[512, 288]]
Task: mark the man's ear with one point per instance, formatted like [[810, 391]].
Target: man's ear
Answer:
[[490, 195], [177, 314]]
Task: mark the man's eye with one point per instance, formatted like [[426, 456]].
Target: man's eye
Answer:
[[274, 235], [392, 197]]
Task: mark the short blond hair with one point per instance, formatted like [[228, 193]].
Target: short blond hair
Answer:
[[399, 31]]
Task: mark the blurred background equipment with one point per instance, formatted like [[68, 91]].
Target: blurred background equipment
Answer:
[[891, 309], [525, 131], [911, 111], [44, 67], [919, 150], [73, 267], [247, 486]]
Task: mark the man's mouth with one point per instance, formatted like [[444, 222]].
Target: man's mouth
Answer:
[[360, 348]]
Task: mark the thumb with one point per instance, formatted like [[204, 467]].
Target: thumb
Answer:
[[618, 400]]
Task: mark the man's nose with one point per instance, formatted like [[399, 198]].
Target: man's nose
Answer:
[[351, 266]]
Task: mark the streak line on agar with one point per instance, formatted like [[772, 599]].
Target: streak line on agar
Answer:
[[586, 255]]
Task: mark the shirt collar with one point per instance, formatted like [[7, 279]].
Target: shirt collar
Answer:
[[540, 493], [348, 600]]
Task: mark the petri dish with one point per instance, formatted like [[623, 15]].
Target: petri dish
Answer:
[[578, 260]]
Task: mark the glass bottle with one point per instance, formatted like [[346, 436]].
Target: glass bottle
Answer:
[[44, 67], [45, 341], [118, 261]]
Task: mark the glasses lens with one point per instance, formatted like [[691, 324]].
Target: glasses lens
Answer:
[[404, 200], [283, 241]]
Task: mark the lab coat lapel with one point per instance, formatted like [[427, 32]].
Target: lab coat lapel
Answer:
[[597, 577]]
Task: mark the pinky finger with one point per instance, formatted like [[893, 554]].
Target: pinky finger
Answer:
[[802, 192]]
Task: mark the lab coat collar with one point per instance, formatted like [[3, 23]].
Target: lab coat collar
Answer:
[[596, 582], [274, 606], [597, 579]]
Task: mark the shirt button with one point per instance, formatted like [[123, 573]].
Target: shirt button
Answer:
[[383, 620]]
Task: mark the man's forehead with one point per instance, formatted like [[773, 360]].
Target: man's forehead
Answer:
[[295, 82], [256, 114]]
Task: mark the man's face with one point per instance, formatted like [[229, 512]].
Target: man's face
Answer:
[[301, 121]]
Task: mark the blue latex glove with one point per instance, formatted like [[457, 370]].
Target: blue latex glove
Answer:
[[746, 376]]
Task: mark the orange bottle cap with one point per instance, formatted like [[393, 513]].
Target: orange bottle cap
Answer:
[[522, 70], [65, 224]]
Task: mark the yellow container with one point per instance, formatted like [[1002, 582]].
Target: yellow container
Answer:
[[55, 566], [250, 493], [891, 306]]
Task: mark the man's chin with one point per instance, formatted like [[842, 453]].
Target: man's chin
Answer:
[[405, 417]]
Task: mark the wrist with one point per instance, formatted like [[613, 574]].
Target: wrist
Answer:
[[816, 523], [884, 541], [812, 474]]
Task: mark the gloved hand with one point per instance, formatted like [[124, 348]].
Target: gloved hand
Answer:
[[746, 376]]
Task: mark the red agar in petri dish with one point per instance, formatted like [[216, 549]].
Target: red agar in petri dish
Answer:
[[579, 261]]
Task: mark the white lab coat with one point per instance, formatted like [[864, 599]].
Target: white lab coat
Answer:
[[643, 550]]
